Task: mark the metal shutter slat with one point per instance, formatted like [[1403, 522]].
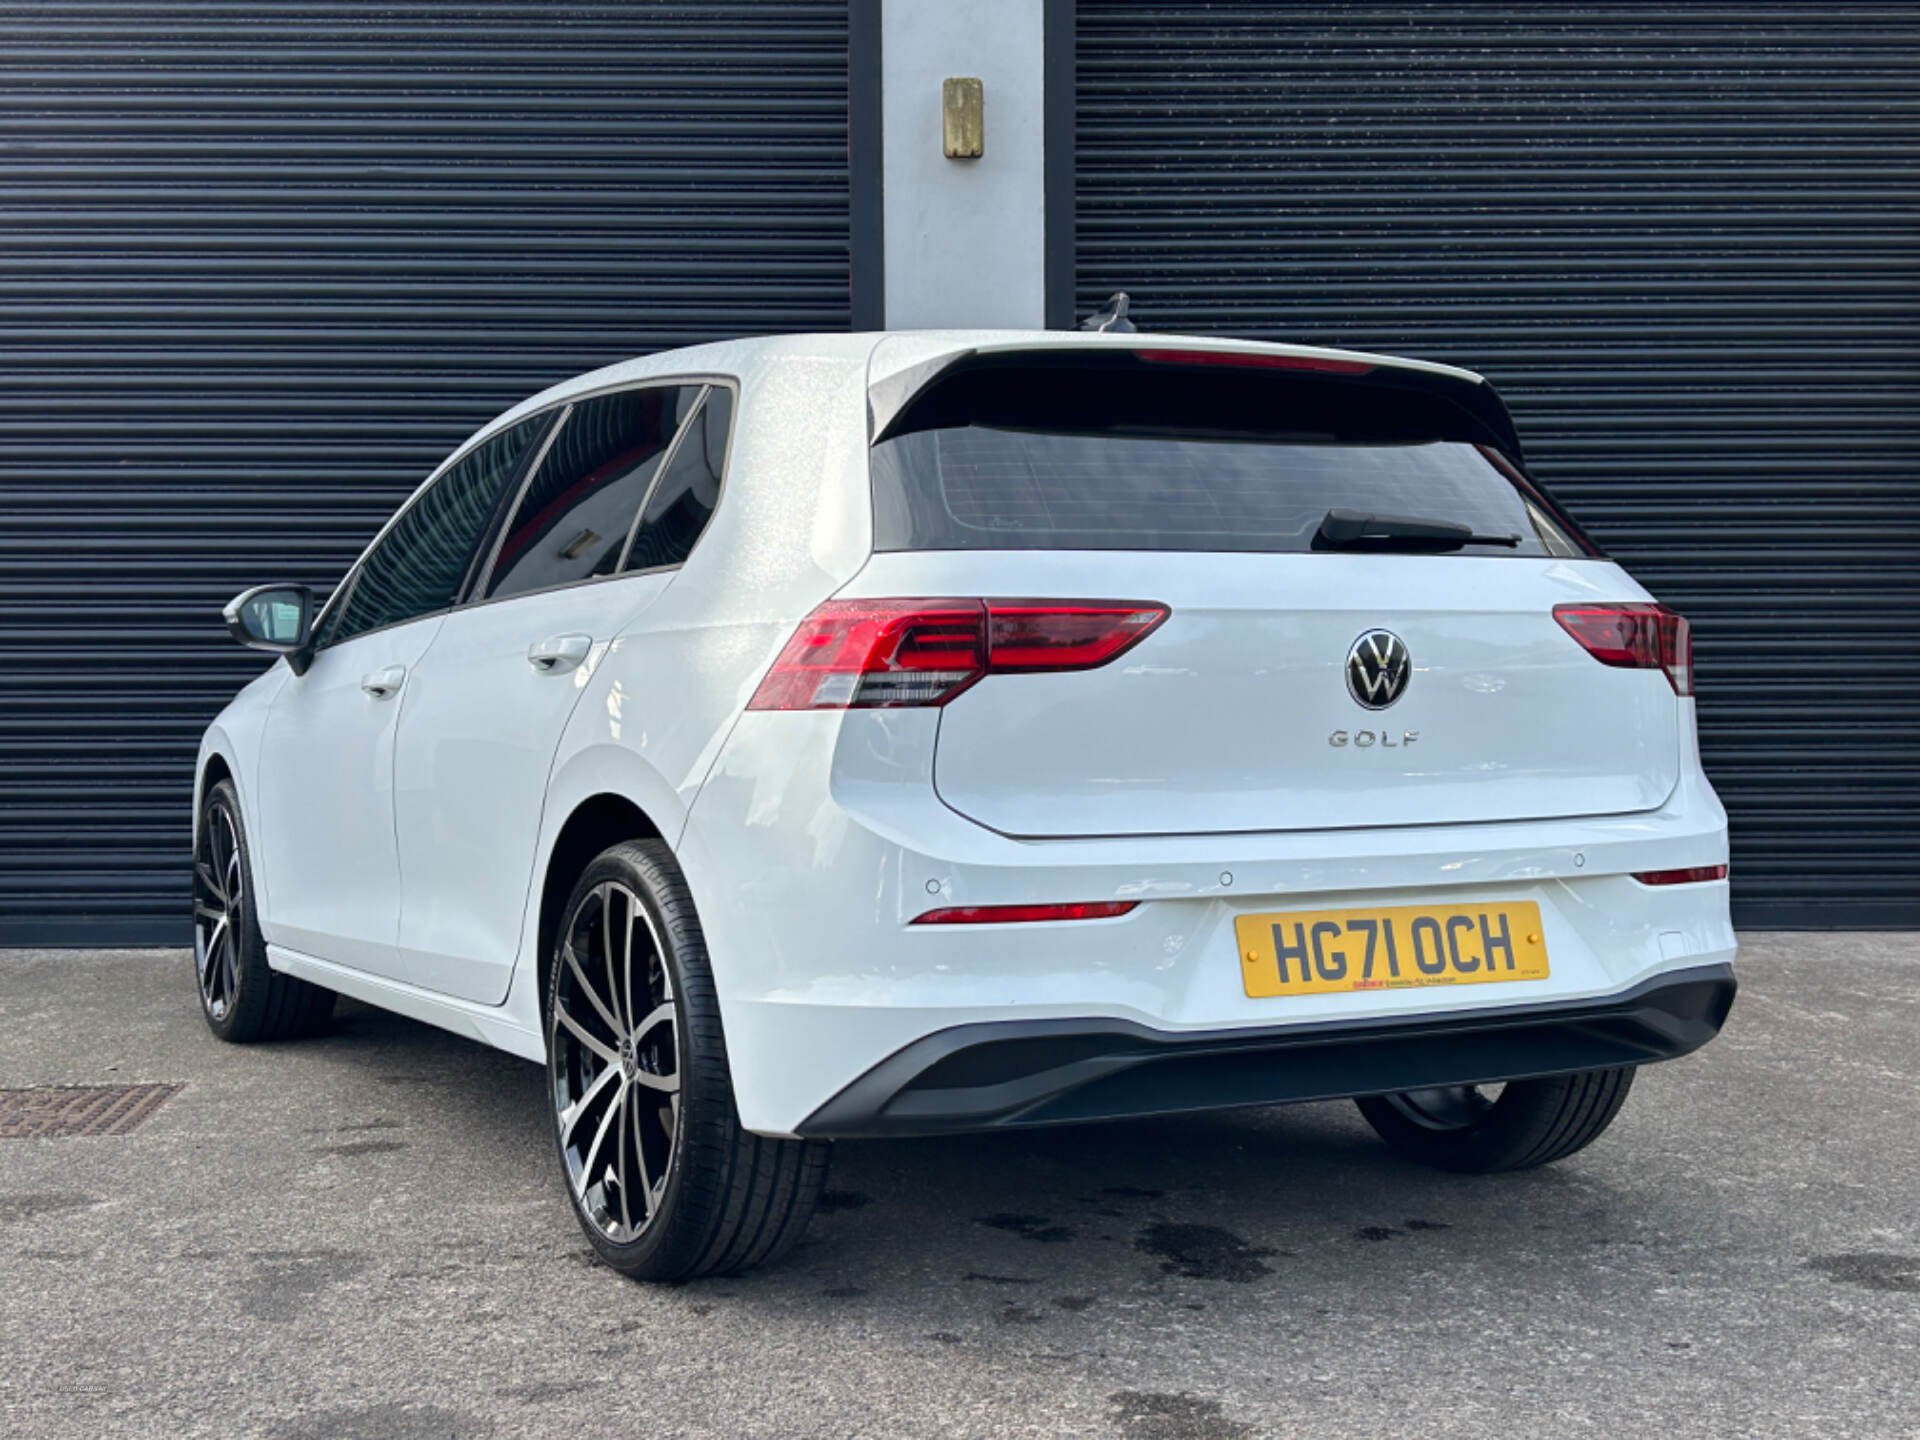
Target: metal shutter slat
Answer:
[[1683, 240], [262, 270]]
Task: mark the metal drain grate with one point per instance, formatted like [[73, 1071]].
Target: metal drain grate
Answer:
[[52, 1110]]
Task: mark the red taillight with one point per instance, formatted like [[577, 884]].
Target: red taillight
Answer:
[[1049, 635], [1025, 914], [869, 654], [1325, 364], [1634, 637], [861, 653], [1693, 875]]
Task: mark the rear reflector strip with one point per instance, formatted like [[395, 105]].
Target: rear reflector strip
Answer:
[[1326, 365], [1693, 875], [1024, 914]]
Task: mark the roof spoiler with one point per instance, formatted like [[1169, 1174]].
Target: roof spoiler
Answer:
[[897, 403]]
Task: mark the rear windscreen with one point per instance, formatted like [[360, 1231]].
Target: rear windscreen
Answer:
[[982, 487], [1158, 449]]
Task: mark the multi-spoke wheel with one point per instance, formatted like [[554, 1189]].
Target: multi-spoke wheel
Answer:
[[663, 1179], [242, 996], [616, 1080], [1514, 1126], [218, 898]]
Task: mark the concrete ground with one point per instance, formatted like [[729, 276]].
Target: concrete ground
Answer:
[[364, 1236]]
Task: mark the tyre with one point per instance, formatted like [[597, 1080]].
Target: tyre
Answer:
[[663, 1180], [241, 996], [1479, 1129]]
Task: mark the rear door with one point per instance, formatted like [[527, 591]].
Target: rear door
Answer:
[[596, 535], [1296, 684]]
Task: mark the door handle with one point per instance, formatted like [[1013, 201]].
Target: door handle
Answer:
[[382, 683], [558, 654]]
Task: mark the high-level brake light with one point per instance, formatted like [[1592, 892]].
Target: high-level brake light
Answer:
[[882, 654], [1634, 637], [1325, 364]]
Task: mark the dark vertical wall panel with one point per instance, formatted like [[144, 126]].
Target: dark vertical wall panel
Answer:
[[261, 266], [1684, 240], [1057, 125], [866, 164]]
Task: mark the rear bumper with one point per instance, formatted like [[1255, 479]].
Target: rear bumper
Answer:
[[1006, 1074], [817, 840]]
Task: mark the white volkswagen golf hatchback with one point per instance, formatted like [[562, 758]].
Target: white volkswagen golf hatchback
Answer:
[[869, 735]]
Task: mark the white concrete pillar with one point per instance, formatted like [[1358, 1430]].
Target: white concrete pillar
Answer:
[[964, 240]]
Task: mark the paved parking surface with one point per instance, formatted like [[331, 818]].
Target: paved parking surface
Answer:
[[363, 1236]]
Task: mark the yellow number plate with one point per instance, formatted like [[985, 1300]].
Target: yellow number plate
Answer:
[[1315, 952]]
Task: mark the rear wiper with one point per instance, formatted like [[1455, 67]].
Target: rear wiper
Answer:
[[1358, 530]]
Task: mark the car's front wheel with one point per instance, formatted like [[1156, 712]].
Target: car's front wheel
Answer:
[[663, 1180], [242, 997], [1516, 1126]]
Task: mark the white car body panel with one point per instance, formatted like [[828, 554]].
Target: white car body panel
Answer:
[[234, 739], [825, 827], [495, 1025], [476, 744], [1249, 673], [324, 838], [810, 839]]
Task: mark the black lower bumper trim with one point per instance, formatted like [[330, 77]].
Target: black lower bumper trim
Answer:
[[1006, 1074]]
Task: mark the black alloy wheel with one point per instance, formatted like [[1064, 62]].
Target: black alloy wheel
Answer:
[[616, 1074], [242, 997], [663, 1179], [219, 909]]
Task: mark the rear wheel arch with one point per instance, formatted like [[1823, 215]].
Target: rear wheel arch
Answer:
[[714, 1198], [596, 824]]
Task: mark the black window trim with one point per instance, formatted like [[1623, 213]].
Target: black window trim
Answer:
[[471, 595], [487, 552], [713, 383], [476, 596], [659, 473], [345, 588]]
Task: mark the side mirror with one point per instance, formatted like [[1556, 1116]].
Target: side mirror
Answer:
[[277, 618]]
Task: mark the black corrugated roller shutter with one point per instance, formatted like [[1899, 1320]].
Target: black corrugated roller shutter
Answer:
[[262, 266], [1684, 240]]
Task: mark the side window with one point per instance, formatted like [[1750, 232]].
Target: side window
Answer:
[[573, 521], [682, 503], [418, 565]]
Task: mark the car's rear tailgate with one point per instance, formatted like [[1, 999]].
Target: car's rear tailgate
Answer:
[[1236, 713]]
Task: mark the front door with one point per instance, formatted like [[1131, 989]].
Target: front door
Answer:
[[325, 790], [327, 854]]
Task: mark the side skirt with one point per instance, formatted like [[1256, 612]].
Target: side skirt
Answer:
[[484, 1023]]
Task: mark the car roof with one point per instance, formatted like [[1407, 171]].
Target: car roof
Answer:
[[874, 357], [899, 350], [902, 360], [887, 352]]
